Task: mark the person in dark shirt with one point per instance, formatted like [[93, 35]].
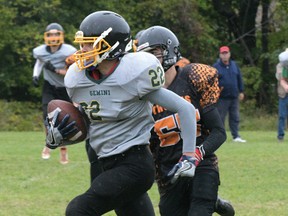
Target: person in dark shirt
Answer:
[[231, 85], [198, 84]]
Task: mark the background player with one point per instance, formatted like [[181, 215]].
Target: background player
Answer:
[[50, 57], [116, 89], [198, 84]]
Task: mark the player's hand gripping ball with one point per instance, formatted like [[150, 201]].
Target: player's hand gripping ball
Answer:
[[65, 123]]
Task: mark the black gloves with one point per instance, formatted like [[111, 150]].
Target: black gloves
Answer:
[[58, 131], [184, 168], [49, 66], [35, 81]]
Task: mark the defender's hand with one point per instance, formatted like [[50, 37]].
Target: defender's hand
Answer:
[[58, 131], [199, 154], [184, 168]]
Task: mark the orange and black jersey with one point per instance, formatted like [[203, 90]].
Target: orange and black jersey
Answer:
[[198, 84]]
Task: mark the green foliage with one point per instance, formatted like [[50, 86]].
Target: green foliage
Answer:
[[20, 116], [252, 118], [201, 29], [252, 80]]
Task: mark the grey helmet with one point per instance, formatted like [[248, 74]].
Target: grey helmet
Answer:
[[159, 36], [54, 35]]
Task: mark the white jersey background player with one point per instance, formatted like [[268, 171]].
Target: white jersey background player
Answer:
[[50, 58], [116, 90]]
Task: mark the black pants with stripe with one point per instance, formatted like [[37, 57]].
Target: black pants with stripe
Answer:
[[118, 183]]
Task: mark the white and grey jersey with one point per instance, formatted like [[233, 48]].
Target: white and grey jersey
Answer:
[[119, 118], [57, 59]]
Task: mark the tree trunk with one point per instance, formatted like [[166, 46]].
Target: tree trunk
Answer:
[[264, 96]]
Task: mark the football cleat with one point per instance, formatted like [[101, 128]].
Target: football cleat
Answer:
[[224, 207]]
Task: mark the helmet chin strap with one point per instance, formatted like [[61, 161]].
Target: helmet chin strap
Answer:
[[106, 54]]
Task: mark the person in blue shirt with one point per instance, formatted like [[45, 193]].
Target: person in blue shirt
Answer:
[[231, 85]]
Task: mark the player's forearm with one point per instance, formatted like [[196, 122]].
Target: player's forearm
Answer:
[[37, 68], [217, 133]]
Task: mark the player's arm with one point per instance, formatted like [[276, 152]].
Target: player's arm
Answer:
[[49, 66], [217, 134], [207, 86], [187, 114], [36, 72], [38, 68]]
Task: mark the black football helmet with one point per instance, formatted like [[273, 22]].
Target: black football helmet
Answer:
[[108, 32], [159, 36], [54, 35]]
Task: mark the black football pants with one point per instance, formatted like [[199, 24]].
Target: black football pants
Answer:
[[119, 183], [50, 92], [191, 196]]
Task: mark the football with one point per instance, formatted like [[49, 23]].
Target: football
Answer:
[[75, 115]]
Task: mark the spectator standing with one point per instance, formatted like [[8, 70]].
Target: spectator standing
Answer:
[[231, 85], [50, 58], [282, 89]]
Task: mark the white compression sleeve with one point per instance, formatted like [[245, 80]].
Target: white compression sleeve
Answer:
[[38, 68], [185, 110]]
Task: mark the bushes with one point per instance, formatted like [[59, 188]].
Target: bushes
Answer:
[[256, 120], [20, 116]]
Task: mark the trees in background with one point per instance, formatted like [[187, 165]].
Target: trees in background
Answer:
[[255, 30]]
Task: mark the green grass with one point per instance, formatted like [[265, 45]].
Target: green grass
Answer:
[[254, 175]]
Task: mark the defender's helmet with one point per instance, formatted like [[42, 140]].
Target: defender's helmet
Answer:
[[108, 32], [159, 36], [135, 41], [54, 35]]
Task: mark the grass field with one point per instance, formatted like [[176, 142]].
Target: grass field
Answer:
[[254, 176]]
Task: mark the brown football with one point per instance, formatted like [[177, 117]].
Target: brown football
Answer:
[[75, 115]]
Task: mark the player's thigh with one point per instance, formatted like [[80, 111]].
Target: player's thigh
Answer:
[[141, 206], [125, 177], [129, 176], [112, 189], [204, 192], [175, 200]]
